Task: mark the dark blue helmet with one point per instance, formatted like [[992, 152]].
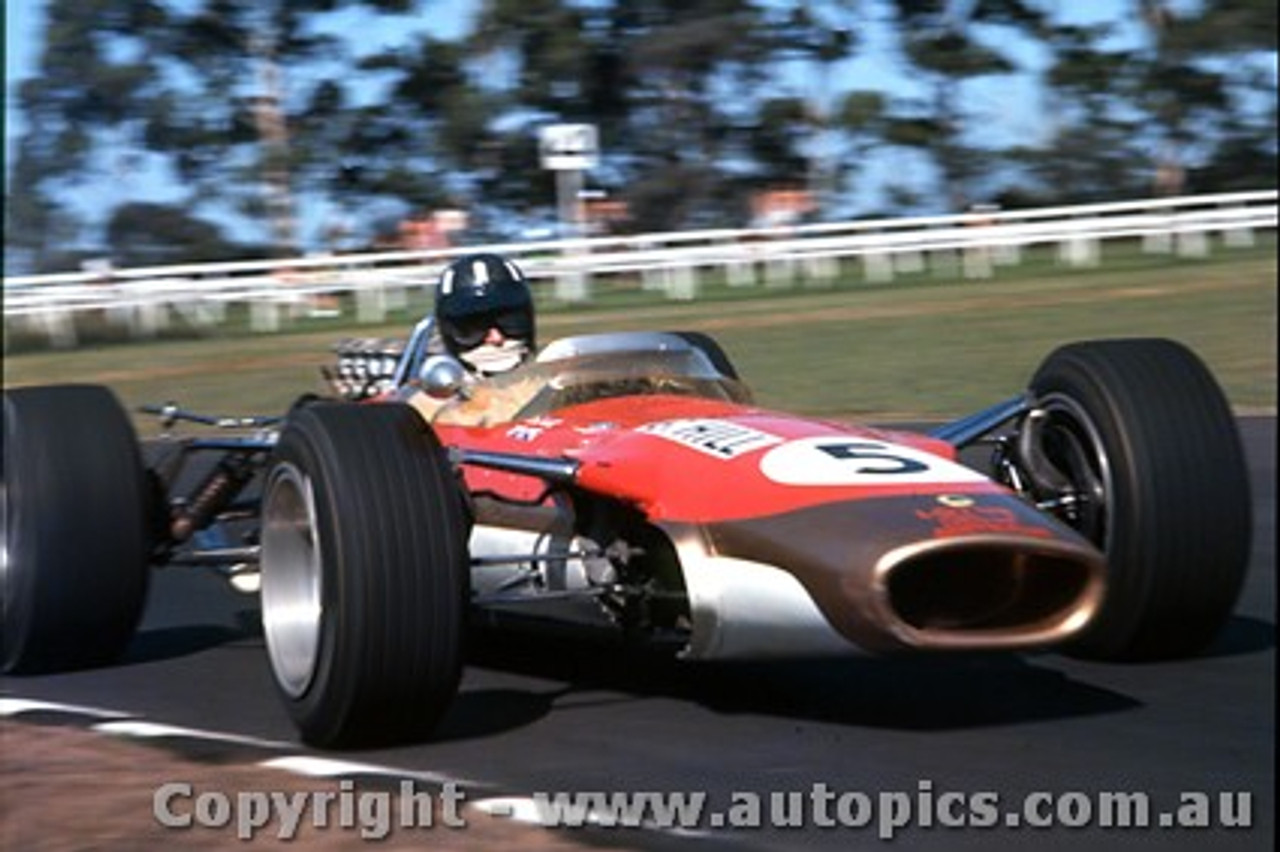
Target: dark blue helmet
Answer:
[[481, 292]]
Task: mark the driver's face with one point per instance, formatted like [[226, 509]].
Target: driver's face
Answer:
[[471, 331], [494, 336]]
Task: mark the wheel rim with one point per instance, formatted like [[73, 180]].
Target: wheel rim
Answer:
[[1073, 443], [292, 581]]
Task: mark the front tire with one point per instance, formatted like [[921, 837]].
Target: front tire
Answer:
[[1147, 439], [75, 542], [364, 574]]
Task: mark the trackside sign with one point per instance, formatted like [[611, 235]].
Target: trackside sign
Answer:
[[569, 147]]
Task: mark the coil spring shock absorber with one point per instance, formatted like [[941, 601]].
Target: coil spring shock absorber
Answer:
[[219, 488]]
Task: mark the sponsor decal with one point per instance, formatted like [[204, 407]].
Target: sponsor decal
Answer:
[[532, 429], [525, 432], [859, 461], [718, 438], [951, 521]]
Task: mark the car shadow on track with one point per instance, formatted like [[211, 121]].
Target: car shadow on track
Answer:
[[933, 693], [168, 643], [479, 713], [1242, 635], [157, 644]]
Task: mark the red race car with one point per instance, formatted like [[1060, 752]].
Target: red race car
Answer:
[[626, 482]]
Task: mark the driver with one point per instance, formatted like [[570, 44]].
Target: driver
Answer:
[[484, 317], [484, 311]]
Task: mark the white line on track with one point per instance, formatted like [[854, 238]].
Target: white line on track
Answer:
[[143, 729], [324, 767], [122, 724], [10, 706]]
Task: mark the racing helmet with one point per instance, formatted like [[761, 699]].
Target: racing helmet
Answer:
[[480, 293]]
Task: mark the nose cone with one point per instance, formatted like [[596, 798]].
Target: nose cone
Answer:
[[898, 574]]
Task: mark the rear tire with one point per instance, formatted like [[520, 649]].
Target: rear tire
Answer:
[[76, 540], [364, 574], [1143, 425]]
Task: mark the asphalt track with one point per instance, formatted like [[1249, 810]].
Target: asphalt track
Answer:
[[541, 714]]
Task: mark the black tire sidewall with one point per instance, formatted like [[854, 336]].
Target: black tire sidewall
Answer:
[[79, 528], [360, 693], [1179, 529]]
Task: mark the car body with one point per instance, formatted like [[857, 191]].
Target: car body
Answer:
[[628, 483], [784, 535]]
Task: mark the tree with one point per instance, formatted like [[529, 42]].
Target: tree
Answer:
[[144, 234], [84, 85], [689, 114], [228, 105], [1191, 108], [948, 45], [202, 91], [1229, 47], [249, 110], [1093, 146]]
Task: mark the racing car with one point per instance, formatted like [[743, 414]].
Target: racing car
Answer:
[[628, 483]]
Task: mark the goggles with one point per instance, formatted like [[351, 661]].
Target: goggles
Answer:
[[468, 332]]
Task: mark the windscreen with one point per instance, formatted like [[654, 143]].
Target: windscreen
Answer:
[[542, 387]]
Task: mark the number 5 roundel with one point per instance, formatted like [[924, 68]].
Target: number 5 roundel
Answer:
[[858, 461]]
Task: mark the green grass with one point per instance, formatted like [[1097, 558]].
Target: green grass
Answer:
[[923, 345]]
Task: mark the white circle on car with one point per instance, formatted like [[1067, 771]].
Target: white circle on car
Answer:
[[838, 460]]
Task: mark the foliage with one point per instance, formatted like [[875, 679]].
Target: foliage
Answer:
[[264, 117]]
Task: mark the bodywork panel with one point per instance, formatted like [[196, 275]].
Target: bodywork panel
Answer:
[[798, 535]]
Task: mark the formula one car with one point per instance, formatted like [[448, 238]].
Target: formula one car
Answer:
[[626, 482]]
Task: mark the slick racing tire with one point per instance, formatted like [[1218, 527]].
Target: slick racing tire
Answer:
[[364, 574], [75, 541], [1146, 437]]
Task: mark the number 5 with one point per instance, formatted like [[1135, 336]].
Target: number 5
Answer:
[[867, 451]]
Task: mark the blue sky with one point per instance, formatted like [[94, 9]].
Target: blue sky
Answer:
[[22, 20], [24, 24]]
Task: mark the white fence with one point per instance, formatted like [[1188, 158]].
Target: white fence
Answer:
[[147, 299]]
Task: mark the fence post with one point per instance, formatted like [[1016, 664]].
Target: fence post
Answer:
[[1192, 244], [59, 325], [740, 273], [780, 272], [1237, 236], [264, 315], [1079, 251], [821, 269], [877, 267], [682, 283], [371, 303], [908, 261]]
